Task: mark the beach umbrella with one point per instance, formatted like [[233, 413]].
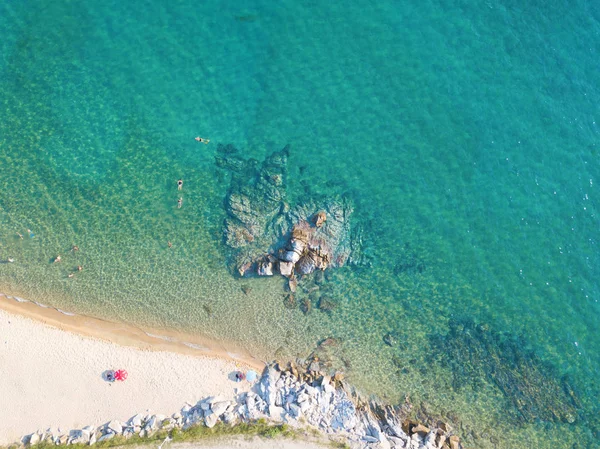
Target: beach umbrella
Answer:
[[121, 374], [251, 376]]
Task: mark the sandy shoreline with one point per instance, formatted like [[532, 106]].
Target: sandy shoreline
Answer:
[[51, 368], [128, 335]]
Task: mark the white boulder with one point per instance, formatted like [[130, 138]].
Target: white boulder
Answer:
[[115, 426], [211, 420], [34, 438], [218, 408]]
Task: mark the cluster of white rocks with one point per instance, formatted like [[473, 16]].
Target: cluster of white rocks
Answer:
[[297, 399]]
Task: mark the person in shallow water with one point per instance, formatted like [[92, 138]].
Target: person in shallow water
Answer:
[[239, 376], [200, 139], [180, 184], [179, 203]]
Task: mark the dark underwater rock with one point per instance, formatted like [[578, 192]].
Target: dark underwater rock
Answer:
[[408, 262], [292, 284], [319, 277], [476, 354], [390, 339], [305, 306], [327, 304], [290, 301]]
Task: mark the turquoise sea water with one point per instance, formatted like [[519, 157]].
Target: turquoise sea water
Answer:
[[466, 133]]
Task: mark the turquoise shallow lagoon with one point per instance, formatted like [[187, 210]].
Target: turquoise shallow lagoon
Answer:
[[466, 133]]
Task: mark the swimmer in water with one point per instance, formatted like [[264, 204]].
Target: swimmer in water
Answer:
[[179, 203], [170, 244], [20, 236], [79, 268], [200, 139], [71, 275], [11, 260], [75, 248], [57, 259], [180, 184], [31, 234]]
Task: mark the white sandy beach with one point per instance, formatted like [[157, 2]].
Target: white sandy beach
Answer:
[[53, 378]]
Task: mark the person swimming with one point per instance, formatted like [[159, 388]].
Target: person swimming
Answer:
[[200, 139], [31, 234], [179, 203], [180, 184], [57, 259], [20, 235]]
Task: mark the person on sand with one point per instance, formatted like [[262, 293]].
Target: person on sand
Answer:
[[179, 203], [200, 139], [180, 184], [57, 259]]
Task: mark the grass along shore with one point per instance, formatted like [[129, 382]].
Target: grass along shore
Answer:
[[199, 433]]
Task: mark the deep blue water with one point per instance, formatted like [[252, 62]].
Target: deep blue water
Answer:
[[466, 134]]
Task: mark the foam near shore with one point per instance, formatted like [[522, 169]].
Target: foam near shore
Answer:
[[53, 378]]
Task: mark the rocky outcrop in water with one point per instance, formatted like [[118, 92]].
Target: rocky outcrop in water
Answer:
[[269, 235]]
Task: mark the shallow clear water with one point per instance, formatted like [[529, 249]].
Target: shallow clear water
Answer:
[[465, 133]]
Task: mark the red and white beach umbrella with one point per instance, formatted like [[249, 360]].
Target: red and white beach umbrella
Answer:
[[121, 374]]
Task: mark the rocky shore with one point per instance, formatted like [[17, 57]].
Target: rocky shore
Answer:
[[299, 395]]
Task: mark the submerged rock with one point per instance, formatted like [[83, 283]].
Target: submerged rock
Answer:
[[320, 218], [293, 283], [305, 306], [327, 304], [476, 354], [390, 339], [289, 301]]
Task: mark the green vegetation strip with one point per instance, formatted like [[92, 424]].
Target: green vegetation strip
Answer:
[[198, 432]]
